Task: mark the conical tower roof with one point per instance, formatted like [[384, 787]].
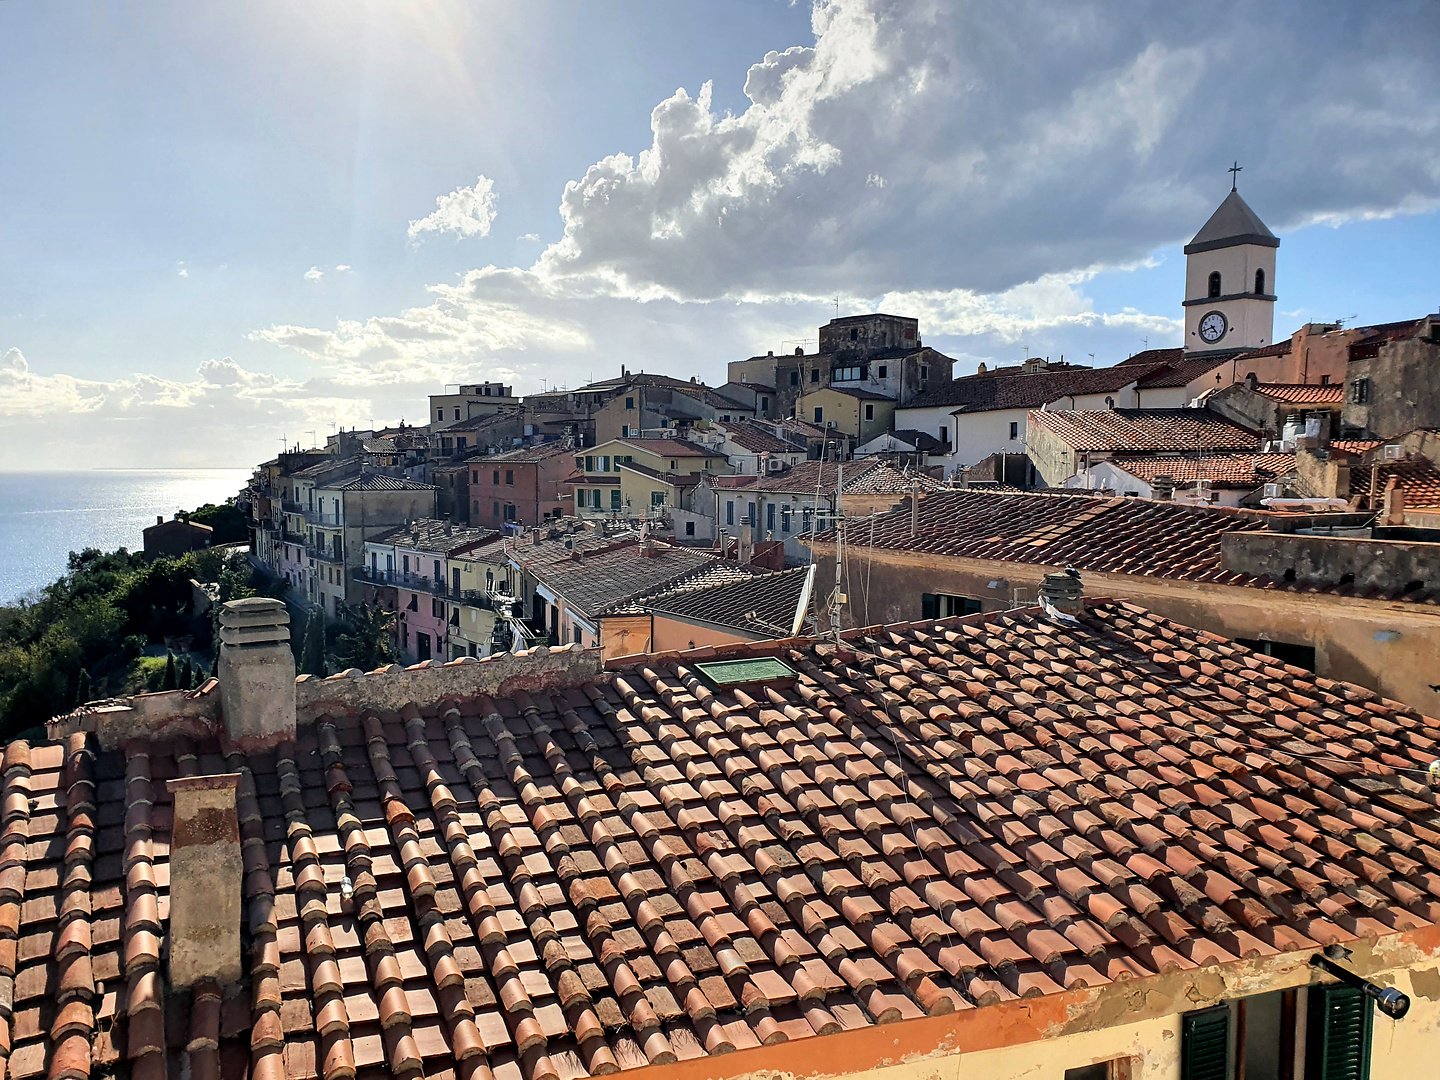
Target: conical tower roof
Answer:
[[1232, 224]]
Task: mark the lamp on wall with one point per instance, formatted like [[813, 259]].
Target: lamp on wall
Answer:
[[1387, 999]]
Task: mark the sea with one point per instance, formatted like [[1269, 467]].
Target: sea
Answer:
[[46, 515]]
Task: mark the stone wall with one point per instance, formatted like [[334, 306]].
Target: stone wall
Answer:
[[1369, 564], [1401, 390]]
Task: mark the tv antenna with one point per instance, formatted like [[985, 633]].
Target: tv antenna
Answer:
[[837, 307]]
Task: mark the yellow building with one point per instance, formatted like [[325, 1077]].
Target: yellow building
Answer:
[[626, 477], [861, 413]]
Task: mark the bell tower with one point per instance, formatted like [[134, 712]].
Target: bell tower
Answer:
[[1230, 281]]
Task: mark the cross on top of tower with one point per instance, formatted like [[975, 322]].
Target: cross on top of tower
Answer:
[[1234, 172]]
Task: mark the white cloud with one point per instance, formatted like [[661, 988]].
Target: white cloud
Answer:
[[181, 271], [314, 274], [343, 268], [534, 238], [466, 211]]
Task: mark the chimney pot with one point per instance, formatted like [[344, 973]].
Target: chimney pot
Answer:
[[159, 519], [256, 671], [1163, 487], [1064, 592]]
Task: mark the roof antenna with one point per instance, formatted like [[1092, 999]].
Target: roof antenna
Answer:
[[837, 307], [1234, 172]]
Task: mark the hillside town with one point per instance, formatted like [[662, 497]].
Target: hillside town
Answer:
[[852, 717]]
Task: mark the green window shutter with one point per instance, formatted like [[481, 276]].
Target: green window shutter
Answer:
[[1338, 1034], [928, 606], [1205, 1044]]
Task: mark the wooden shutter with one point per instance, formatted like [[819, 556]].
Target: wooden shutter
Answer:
[[1205, 1044], [1338, 1034]]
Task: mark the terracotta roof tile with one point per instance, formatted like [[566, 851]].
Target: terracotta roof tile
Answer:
[[1244, 471], [1302, 393], [1418, 476], [644, 868], [1119, 430]]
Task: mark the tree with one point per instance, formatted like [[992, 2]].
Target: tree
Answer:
[[229, 524], [312, 655], [364, 637], [186, 678], [82, 687], [168, 683]]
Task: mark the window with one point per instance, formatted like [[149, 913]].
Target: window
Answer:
[[794, 378], [944, 433], [924, 372], [869, 411], [725, 419], [624, 431], [657, 498], [689, 528], [438, 577], [785, 519], [1360, 391], [440, 414], [764, 405], [404, 636], [672, 465], [1101, 1070], [422, 646], [595, 499], [475, 476], [849, 373], [510, 477], [497, 510], [854, 333], [509, 511], [944, 606], [405, 563], [489, 580], [374, 561], [806, 522], [437, 609], [589, 464], [1259, 282], [457, 414], [730, 512], [1324, 380], [1014, 429], [770, 516], [815, 375], [750, 513], [1214, 284], [580, 498], [819, 414], [629, 403], [461, 443], [882, 371], [615, 499], [1301, 656]]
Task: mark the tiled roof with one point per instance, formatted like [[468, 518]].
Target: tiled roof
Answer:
[[1354, 446], [813, 476], [720, 572], [852, 391], [1180, 372], [377, 482], [981, 393], [1144, 537], [327, 468], [758, 440], [1417, 475], [885, 479], [1302, 393], [757, 604], [1146, 429], [1153, 356], [433, 535], [1232, 223], [642, 869], [1242, 471], [592, 584], [920, 440], [671, 447], [1278, 348], [539, 452], [675, 479]]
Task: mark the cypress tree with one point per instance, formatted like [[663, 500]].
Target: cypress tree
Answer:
[[168, 683], [82, 687], [186, 675], [312, 660]]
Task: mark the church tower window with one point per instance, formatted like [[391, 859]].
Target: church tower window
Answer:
[[1215, 284], [1259, 282]]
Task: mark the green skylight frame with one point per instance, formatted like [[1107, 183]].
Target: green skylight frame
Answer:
[[748, 672]]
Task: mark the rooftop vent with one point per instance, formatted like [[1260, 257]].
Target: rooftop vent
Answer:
[[752, 672]]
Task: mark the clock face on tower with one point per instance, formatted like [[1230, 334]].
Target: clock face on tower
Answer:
[[1212, 327]]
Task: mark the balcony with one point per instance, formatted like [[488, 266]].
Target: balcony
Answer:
[[317, 517]]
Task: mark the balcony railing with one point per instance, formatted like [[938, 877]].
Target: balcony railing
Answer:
[[317, 517], [421, 583]]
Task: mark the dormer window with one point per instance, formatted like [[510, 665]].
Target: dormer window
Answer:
[[1215, 284], [1259, 282]]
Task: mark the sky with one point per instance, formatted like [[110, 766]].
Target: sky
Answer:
[[231, 224]]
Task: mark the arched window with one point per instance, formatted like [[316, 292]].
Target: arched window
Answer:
[[1215, 284], [1259, 282]]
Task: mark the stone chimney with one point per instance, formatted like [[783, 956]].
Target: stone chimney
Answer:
[[257, 673], [206, 875], [1163, 487], [1063, 592], [1393, 503], [159, 519]]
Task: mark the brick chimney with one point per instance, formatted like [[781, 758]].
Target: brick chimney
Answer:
[[257, 673], [206, 873]]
